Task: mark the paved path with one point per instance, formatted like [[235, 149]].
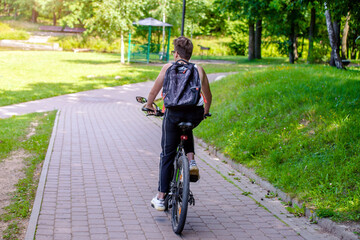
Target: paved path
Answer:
[[103, 172]]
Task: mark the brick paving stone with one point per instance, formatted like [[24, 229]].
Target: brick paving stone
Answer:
[[259, 238], [103, 172], [62, 236]]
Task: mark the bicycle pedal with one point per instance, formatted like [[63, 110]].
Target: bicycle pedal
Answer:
[[194, 178], [191, 199]]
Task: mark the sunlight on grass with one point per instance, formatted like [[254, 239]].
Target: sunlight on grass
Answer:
[[297, 126], [30, 75]]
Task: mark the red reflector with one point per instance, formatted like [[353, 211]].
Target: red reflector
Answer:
[[184, 137]]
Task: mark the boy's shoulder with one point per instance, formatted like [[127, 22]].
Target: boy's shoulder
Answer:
[[166, 66]]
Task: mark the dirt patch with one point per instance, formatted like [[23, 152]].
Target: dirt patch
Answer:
[[32, 129], [11, 171]]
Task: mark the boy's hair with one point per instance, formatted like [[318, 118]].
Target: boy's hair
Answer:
[[184, 47]]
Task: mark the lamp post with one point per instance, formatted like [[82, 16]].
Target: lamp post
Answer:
[[183, 18]]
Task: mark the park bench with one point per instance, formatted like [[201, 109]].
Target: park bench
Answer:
[[202, 48], [346, 62], [51, 28], [61, 29], [74, 30]]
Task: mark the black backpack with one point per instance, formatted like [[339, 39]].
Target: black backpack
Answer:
[[182, 86]]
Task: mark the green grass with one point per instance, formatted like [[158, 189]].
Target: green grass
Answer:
[[240, 64], [297, 126], [13, 133], [31, 75], [6, 32], [243, 60], [21, 25]]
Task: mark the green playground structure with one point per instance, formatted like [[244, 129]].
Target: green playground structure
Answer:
[[150, 52]]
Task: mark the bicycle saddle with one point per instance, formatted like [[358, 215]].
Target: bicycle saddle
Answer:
[[185, 126]]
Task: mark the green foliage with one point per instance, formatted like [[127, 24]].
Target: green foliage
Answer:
[[10, 34], [68, 43], [296, 210], [112, 18], [298, 127], [238, 44], [325, 213]]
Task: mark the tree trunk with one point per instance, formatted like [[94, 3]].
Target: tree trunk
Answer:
[[251, 41], [258, 34], [122, 49], [311, 35], [54, 18], [296, 44], [292, 43], [336, 27], [332, 38], [34, 16], [344, 38]]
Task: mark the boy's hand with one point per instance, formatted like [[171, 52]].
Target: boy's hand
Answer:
[[150, 106]]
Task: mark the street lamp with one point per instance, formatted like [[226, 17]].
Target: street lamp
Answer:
[[183, 18]]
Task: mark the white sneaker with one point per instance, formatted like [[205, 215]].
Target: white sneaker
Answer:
[[158, 204], [194, 171]]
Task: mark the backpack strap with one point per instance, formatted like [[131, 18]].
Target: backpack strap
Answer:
[[187, 65], [182, 60]]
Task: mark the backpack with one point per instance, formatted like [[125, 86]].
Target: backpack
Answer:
[[182, 86]]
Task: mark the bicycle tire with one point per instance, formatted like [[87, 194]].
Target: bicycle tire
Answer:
[[181, 197]]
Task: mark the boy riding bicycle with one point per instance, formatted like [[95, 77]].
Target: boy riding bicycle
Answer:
[[183, 48]]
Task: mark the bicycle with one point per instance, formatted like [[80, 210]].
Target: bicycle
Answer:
[[179, 196]]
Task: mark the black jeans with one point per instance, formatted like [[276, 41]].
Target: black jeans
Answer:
[[171, 138]]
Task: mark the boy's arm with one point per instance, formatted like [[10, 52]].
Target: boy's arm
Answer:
[[205, 88], [157, 86]]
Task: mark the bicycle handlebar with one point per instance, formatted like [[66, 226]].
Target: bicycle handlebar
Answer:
[[158, 112]]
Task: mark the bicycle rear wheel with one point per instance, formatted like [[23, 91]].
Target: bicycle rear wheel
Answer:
[[181, 197]]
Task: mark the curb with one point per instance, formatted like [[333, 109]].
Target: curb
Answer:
[[338, 230], [31, 229]]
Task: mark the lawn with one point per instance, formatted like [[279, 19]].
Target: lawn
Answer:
[[297, 126], [31, 75]]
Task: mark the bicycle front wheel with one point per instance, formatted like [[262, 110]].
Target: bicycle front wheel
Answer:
[[181, 197]]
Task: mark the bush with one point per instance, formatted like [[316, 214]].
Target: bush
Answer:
[[94, 43], [320, 53], [238, 44], [218, 46], [10, 34]]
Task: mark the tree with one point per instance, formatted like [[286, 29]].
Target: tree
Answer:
[[253, 11], [77, 12], [30, 8], [52, 8], [344, 38], [112, 18], [287, 19], [258, 34], [332, 38], [311, 34]]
